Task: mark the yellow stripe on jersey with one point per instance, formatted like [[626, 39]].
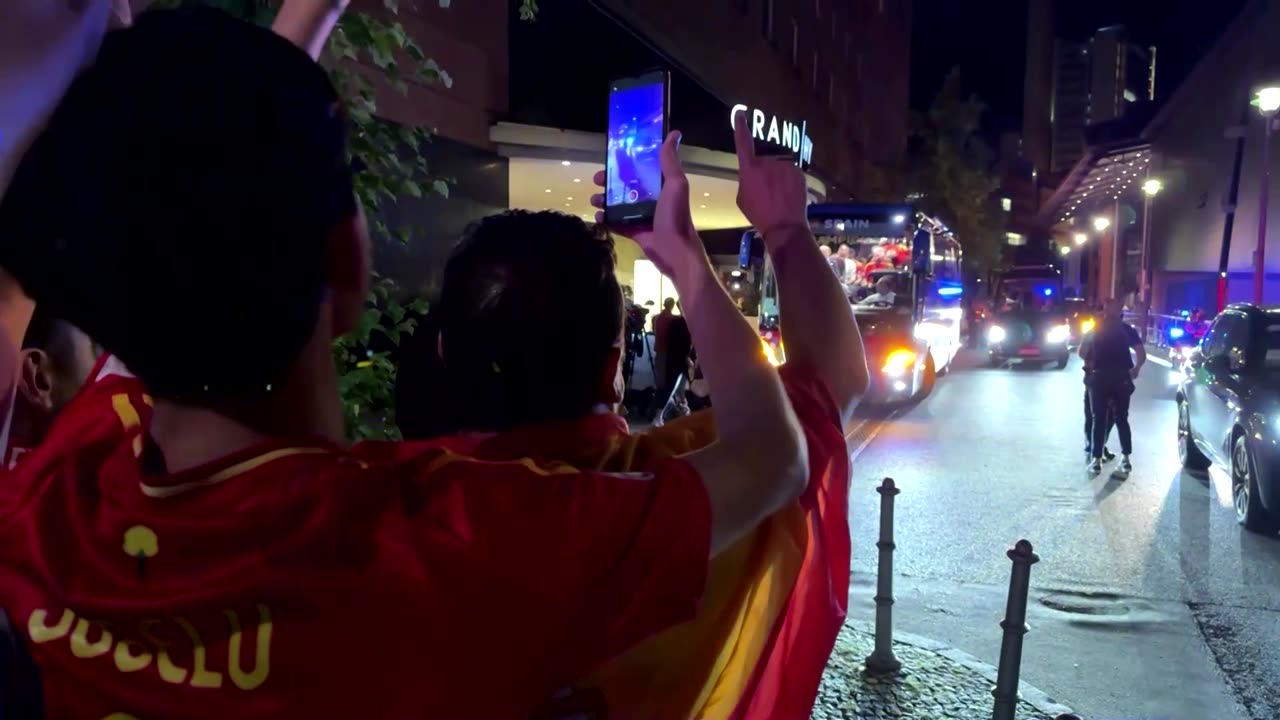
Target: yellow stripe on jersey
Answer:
[[128, 415], [166, 491], [448, 457]]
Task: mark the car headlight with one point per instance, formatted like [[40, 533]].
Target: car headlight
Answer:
[[899, 362], [1059, 334], [1187, 350], [1087, 326], [996, 334]]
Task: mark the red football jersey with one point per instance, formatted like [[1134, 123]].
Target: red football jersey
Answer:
[[110, 385], [295, 580]]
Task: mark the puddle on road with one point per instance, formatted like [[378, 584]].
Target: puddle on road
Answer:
[[1103, 608], [1086, 603]]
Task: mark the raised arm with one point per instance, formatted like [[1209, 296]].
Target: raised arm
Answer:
[[819, 329], [308, 23], [760, 460]]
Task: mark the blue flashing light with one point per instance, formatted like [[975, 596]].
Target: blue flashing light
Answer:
[[1176, 333], [1048, 292], [950, 291]]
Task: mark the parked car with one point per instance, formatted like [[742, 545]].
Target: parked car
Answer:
[[1229, 410]]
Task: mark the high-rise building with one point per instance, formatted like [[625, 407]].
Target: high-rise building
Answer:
[[1121, 73], [1071, 85], [1037, 95], [1070, 109]]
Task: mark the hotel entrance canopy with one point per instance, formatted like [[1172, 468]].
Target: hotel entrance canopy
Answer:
[[1102, 178]]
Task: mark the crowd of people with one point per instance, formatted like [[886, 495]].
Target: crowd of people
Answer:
[[185, 530], [862, 277]]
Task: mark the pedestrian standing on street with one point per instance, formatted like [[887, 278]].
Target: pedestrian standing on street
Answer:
[[661, 331], [1107, 455], [1113, 356], [679, 345]]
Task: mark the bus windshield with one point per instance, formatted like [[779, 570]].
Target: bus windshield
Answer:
[[869, 248]]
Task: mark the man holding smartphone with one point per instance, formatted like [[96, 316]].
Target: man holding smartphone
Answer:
[[245, 562]]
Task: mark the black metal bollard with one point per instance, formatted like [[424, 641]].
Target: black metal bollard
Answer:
[[1015, 626], [882, 661]]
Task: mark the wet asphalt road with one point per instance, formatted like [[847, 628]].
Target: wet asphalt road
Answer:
[[1149, 601]]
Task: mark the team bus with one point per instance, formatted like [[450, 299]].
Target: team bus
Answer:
[[902, 271]]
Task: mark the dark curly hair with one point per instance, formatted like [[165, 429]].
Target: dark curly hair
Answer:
[[530, 313]]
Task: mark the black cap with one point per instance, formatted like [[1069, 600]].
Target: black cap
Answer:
[[178, 204]]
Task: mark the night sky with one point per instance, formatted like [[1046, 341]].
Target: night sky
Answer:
[[987, 40], [552, 85]]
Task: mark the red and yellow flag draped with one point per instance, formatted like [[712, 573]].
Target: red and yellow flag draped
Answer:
[[774, 602]]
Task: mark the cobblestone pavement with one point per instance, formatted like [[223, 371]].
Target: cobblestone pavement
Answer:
[[929, 687]]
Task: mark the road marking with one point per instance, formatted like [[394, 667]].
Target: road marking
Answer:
[[881, 424], [1160, 361]]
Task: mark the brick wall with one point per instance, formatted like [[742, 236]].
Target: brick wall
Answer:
[[469, 41]]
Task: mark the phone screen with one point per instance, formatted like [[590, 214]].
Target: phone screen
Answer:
[[637, 127]]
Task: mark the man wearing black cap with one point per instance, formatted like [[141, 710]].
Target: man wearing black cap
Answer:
[[190, 207]]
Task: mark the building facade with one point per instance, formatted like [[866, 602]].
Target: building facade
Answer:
[[1195, 140], [522, 124], [1121, 73]]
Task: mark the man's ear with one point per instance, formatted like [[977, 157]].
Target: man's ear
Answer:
[[35, 379], [612, 390], [348, 269]]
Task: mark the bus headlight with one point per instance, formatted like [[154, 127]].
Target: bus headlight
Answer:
[[927, 331], [1059, 334], [996, 334], [770, 354], [898, 363]]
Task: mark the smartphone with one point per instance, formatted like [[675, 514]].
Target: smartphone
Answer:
[[638, 111]]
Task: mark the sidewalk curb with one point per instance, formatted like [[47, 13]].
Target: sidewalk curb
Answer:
[[1026, 693]]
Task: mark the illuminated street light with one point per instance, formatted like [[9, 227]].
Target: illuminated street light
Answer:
[[1065, 250], [1101, 223], [1081, 238], [1267, 100], [1150, 188]]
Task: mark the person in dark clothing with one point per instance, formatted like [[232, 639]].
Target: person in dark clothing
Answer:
[[1111, 372], [1107, 455], [678, 346]]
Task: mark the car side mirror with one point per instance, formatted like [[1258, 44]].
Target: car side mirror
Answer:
[[1216, 363], [1235, 360]]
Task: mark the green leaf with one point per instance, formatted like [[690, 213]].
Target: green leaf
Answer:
[[441, 187]]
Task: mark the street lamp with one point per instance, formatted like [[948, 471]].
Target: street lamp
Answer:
[[1065, 250], [1081, 238], [1149, 190], [1101, 224], [1267, 100]]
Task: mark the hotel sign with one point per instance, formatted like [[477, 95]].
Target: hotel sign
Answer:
[[783, 133]]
